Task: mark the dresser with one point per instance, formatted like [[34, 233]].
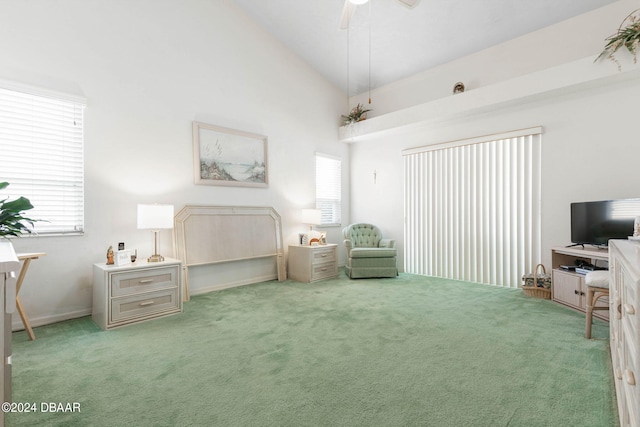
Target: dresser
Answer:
[[624, 327], [9, 268], [143, 290], [313, 263]]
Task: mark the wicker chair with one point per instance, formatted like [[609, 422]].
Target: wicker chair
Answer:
[[597, 287], [368, 254]]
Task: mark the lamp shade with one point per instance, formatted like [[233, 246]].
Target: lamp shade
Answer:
[[155, 217], [311, 216]]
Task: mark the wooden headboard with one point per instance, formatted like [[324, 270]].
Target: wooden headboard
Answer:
[[219, 234]]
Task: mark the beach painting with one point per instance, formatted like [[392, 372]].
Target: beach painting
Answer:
[[225, 156]]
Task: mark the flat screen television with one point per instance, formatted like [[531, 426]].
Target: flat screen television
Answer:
[[594, 223]]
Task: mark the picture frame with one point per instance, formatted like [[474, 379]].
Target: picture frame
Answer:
[[229, 157], [123, 257]]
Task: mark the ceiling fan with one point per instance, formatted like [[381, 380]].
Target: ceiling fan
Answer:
[[350, 7]]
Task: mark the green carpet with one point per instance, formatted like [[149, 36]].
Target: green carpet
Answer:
[[409, 351]]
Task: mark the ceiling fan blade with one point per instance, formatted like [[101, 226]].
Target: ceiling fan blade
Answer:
[[409, 3], [347, 13]]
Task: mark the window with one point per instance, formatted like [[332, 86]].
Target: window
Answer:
[[472, 208], [328, 188], [41, 141]]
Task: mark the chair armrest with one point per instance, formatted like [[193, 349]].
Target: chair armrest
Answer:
[[387, 243], [347, 244]]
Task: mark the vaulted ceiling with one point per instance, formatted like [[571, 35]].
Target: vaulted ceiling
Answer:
[[398, 41]]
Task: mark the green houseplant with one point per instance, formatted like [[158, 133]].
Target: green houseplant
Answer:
[[356, 114], [628, 35], [12, 221]]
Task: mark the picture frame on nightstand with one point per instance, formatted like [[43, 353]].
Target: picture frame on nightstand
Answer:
[[123, 257]]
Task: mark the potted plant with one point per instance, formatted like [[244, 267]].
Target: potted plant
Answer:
[[357, 113], [628, 35], [12, 221]]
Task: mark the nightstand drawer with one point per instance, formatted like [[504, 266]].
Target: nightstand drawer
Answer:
[[144, 281], [322, 271], [323, 255], [137, 306]]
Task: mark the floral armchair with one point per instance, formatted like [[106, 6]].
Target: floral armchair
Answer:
[[368, 254]]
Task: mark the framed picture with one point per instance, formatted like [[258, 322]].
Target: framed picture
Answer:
[[223, 156]]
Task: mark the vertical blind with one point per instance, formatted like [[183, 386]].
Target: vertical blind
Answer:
[[329, 188], [472, 208], [41, 141]]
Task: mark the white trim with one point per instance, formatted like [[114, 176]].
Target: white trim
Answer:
[[17, 325], [328, 156], [39, 91], [536, 130]]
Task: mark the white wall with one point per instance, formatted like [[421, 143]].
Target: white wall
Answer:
[[590, 149], [148, 68]]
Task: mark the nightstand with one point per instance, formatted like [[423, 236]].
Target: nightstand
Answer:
[[312, 263], [143, 290]]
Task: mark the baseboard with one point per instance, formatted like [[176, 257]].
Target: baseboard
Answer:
[[16, 324], [227, 285]]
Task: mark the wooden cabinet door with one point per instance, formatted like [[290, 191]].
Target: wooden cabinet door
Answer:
[[567, 289]]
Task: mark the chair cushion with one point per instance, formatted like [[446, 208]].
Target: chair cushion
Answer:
[[373, 252], [597, 279]]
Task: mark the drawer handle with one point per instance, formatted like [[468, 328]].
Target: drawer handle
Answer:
[[143, 281], [629, 309], [323, 269], [146, 303], [629, 377], [323, 255]]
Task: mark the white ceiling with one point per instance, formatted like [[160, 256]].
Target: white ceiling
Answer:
[[403, 41]]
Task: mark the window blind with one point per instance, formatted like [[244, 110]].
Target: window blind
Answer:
[[42, 146], [329, 188], [472, 208]]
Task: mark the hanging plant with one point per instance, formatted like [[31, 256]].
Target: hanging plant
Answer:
[[628, 35], [357, 113], [12, 223]]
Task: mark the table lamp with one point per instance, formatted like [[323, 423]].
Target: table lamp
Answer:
[[155, 217], [311, 217]]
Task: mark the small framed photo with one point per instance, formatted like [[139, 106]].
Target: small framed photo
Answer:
[[123, 257]]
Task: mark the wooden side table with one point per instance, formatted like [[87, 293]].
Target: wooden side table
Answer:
[[132, 293], [312, 263], [26, 260]]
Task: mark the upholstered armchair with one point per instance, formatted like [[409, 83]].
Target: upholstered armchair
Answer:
[[368, 254]]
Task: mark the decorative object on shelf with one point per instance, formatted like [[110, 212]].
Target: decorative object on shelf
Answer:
[[537, 284], [155, 217], [628, 35], [12, 221], [110, 255], [458, 88], [223, 156], [124, 257], [636, 227], [357, 114]]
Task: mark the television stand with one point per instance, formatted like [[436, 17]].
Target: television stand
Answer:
[[568, 287]]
